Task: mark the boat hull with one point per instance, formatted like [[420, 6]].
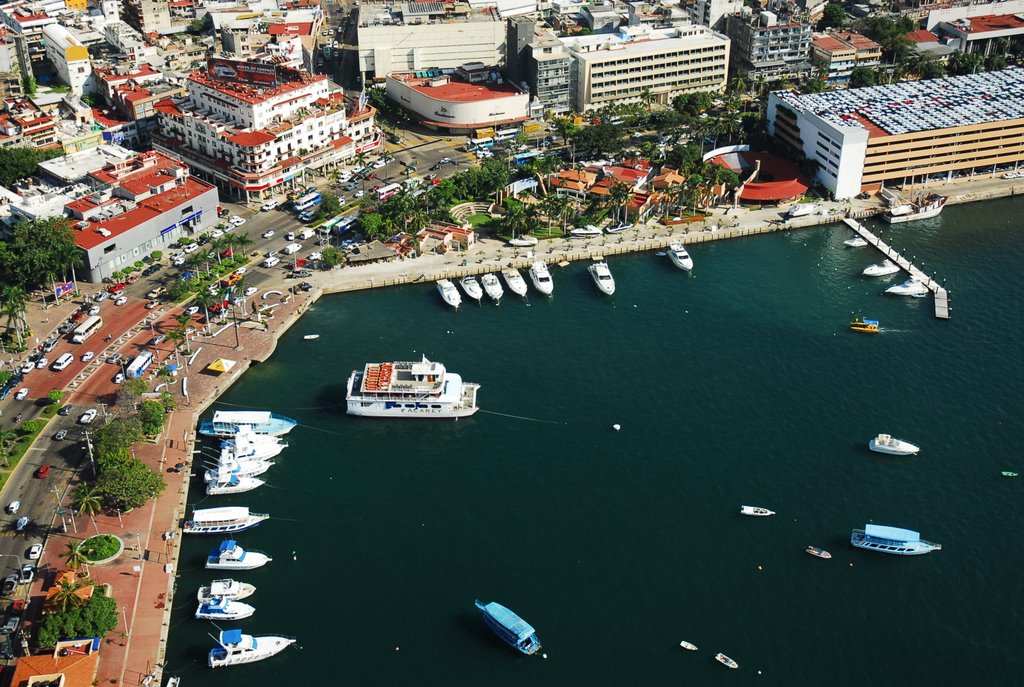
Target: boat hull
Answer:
[[880, 270], [235, 591], [918, 548], [605, 286], [192, 528], [910, 217], [268, 646], [512, 629], [253, 560], [541, 279], [898, 448], [515, 281]]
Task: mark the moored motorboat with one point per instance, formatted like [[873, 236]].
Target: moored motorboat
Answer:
[[246, 445], [449, 293], [541, 278], [881, 269], [472, 288], [515, 281], [226, 588], [228, 423], [492, 286], [756, 511], [232, 484], [801, 210], [512, 629], [524, 241], [911, 287], [855, 242], [228, 467], [818, 552], [688, 646], [230, 556], [884, 443], [726, 661], [589, 230], [409, 389], [234, 648], [224, 520], [680, 257], [892, 540], [602, 276], [223, 608], [861, 324], [929, 207], [173, 681]]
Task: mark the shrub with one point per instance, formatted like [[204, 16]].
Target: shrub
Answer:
[[152, 415], [95, 618], [100, 547]]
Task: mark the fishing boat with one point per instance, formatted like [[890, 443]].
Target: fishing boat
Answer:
[[861, 324], [223, 520], [472, 288], [515, 281], [818, 552], [726, 661], [227, 589], [1007, 473], [541, 278], [512, 629], [230, 556], [232, 484], [410, 389], [310, 337], [881, 269], [756, 511], [892, 540], [908, 212], [911, 287], [855, 242], [449, 293], [885, 443], [688, 646], [492, 286], [228, 423], [602, 277], [801, 210], [524, 241], [589, 230], [234, 648], [223, 608], [679, 257]]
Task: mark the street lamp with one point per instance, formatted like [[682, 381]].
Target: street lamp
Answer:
[[138, 536]]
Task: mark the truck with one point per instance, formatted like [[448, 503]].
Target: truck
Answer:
[[292, 248], [306, 233]]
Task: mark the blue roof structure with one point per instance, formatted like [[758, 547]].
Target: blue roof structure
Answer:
[[893, 533], [228, 545], [510, 620], [230, 636]]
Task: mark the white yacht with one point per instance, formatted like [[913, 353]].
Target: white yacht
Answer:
[[492, 286], [541, 278], [515, 281], [589, 230], [224, 520], [911, 287], [223, 608], [855, 242], [449, 293], [756, 511], [802, 210], [246, 445], [234, 648], [922, 209], [679, 257], [228, 467], [602, 276], [881, 269], [472, 288], [410, 389], [524, 241], [226, 588], [884, 443], [230, 556], [232, 484]]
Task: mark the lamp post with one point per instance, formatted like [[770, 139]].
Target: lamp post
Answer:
[[138, 535]]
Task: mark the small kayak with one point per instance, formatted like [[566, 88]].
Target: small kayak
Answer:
[[686, 645], [1009, 474]]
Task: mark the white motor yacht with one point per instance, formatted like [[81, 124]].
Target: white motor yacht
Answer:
[[234, 648], [241, 468], [515, 281], [232, 484], [885, 443], [492, 286], [910, 287], [524, 241], [881, 269], [802, 210], [679, 257], [472, 288], [756, 511], [602, 276], [855, 242], [589, 230], [230, 556], [541, 278], [223, 608], [226, 588], [449, 293]]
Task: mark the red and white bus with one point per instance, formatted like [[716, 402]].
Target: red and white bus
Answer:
[[385, 192]]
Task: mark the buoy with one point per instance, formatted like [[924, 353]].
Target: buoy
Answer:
[[396, 648], [294, 557], [760, 568], [616, 427], [544, 656]]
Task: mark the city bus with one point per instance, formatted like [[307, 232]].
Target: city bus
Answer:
[[526, 156], [87, 329], [505, 134], [478, 144], [385, 192], [139, 365], [306, 202], [344, 224]]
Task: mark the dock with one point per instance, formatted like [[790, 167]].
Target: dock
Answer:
[[941, 296]]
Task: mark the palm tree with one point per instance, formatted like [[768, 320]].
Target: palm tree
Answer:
[[388, 159], [66, 595], [12, 303], [647, 97], [205, 299], [75, 556], [618, 195], [89, 501], [360, 159]]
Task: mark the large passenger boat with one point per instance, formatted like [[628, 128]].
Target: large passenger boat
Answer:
[[228, 423], [410, 389], [224, 520], [512, 629], [893, 540]]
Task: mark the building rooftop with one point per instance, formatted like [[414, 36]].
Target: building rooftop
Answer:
[[451, 89], [74, 167], [922, 36], [991, 22], [914, 106]]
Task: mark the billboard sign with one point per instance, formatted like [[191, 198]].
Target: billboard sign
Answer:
[[238, 71], [61, 290]]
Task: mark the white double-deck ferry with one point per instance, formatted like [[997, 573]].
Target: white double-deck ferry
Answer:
[[224, 520], [408, 389]]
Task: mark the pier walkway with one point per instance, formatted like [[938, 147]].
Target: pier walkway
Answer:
[[942, 309]]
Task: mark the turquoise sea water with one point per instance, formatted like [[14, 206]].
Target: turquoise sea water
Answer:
[[737, 385]]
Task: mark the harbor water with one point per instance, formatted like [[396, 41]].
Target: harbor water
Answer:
[[737, 385]]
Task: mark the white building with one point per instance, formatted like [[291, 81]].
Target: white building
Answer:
[[128, 41], [69, 57], [710, 12], [611, 68]]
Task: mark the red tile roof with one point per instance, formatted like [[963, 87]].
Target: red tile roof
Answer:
[[922, 36], [294, 29], [995, 22], [79, 669], [251, 139]]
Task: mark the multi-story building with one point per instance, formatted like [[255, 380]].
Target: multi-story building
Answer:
[[866, 137], [537, 60], [150, 16], [421, 35], [767, 48], [128, 41], [69, 57], [255, 127], [10, 66], [663, 62], [27, 22], [22, 123], [841, 52], [711, 13]]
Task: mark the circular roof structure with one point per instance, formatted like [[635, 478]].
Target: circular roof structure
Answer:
[[777, 179]]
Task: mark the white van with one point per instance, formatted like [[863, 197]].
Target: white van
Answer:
[[306, 234], [292, 248], [270, 262], [62, 362]]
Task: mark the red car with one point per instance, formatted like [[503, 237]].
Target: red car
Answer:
[[116, 288], [435, 182], [43, 471], [77, 316], [217, 307], [228, 253]]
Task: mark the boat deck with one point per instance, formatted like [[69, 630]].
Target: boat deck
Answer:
[[941, 296]]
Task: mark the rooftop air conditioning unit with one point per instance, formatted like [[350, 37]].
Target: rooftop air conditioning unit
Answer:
[[103, 232]]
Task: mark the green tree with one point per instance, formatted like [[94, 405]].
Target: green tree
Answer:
[[117, 436], [373, 226], [861, 77], [332, 256], [74, 555], [95, 618], [152, 415], [130, 392], [130, 485], [87, 499], [329, 206], [20, 162], [28, 84], [38, 252], [13, 302], [67, 595], [834, 15], [995, 62], [196, 26], [54, 396], [32, 427], [168, 401]]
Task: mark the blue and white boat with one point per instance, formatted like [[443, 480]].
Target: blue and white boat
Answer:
[[228, 423], [515, 631], [234, 648], [223, 608], [894, 540], [230, 556]]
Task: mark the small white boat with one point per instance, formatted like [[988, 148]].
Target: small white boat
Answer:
[[688, 646], [515, 281], [679, 257], [233, 484], [756, 511], [726, 661], [234, 648], [802, 210], [449, 293], [619, 228], [227, 588], [541, 278], [472, 287], [492, 286], [589, 230], [855, 242], [173, 681], [223, 608], [908, 212], [818, 552], [602, 276], [310, 337], [881, 269], [910, 287], [884, 443], [230, 556], [524, 241]]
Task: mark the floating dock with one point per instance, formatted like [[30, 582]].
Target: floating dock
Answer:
[[941, 296]]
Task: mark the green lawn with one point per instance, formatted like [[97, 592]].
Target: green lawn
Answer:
[[479, 220], [19, 452]]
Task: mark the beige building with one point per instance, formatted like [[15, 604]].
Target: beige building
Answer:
[[842, 52]]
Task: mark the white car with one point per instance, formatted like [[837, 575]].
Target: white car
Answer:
[[87, 417], [94, 310], [121, 301], [445, 160], [241, 270], [360, 194], [34, 552], [267, 234], [268, 206], [119, 378], [176, 257], [379, 163], [13, 507], [216, 234], [316, 255], [87, 356], [290, 236], [22, 394], [28, 367], [192, 310], [41, 363], [251, 290], [236, 220], [191, 248]]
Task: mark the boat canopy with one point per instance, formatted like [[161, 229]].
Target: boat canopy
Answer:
[[228, 545], [510, 620], [230, 636], [242, 417], [893, 533], [220, 514]]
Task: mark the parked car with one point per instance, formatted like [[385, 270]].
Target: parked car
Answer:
[[268, 206], [188, 275], [22, 394], [121, 301], [66, 410], [158, 339], [59, 436], [94, 310], [34, 552], [251, 290], [13, 507], [10, 584], [119, 378], [192, 310], [28, 573], [191, 248], [236, 220], [101, 296], [28, 367], [87, 417], [267, 234], [117, 288], [42, 471], [41, 363], [151, 270], [49, 345], [115, 358]]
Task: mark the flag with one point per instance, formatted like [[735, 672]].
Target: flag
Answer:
[[362, 100], [63, 289]]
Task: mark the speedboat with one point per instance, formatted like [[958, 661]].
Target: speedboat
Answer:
[[726, 661], [310, 337], [679, 257], [226, 588], [449, 293], [602, 276], [524, 241], [492, 286], [233, 484], [515, 281], [230, 556], [234, 648], [688, 646], [855, 242], [512, 629], [818, 552], [911, 287], [801, 210], [541, 278], [1008, 473], [884, 443], [228, 467], [224, 520], [589, 230], [862, 324], [756, 511], [619, 228], [892, 540], [472, 287], [881, 269], [223, 608]]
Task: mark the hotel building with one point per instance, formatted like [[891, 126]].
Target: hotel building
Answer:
[[842, 52]]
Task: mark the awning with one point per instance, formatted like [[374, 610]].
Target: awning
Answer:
[[221, 365]]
